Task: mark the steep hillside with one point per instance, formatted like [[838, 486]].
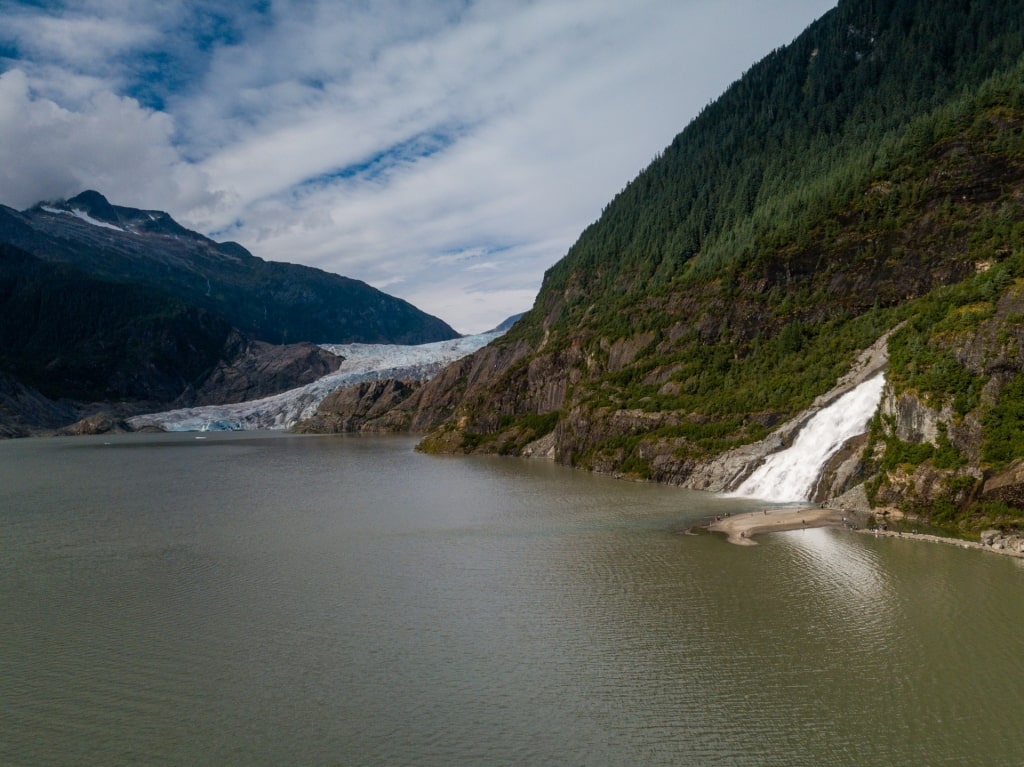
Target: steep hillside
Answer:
[[71, 344], [827, 197], [274, 302]]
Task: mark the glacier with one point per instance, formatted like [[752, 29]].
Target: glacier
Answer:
[[362, 362]]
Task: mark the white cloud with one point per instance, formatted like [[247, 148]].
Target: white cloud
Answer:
[[110, 143], [81, 42], [535, 116]]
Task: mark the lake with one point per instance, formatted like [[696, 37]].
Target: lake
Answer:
[[266, 599]]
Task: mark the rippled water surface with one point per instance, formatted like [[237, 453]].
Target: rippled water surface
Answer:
[[271, 600]]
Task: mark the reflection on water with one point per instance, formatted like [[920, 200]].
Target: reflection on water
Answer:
[[265, 599], [851, 590]]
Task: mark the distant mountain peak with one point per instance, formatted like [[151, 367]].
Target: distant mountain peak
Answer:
[[271, 301], [93, 208], [96, 205], [507, 323]]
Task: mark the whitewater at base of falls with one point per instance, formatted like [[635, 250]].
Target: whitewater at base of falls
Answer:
[[790, 475]]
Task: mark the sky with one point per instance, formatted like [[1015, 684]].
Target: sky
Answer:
[[446, 152]]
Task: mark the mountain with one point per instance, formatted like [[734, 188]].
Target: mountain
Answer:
[[862, 185], [72, 344], [507, 323], [105, 308], [270, 301]]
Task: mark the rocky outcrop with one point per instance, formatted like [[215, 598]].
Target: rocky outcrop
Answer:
[[854, 499], [1002, 541], [373, 406], [100, 423], [913, 421], [253, 369], [1007, 486], [480, 378], [843, 471], [920, 489]]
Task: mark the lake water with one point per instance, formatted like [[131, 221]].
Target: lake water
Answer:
[[278, 600]]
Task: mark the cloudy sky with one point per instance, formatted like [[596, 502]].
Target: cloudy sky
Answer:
[[444, 151]]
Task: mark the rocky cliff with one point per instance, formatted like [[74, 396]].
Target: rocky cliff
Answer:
[[371, 406], [949, 432], [250, 369]]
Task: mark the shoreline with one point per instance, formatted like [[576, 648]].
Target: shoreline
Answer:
[[930, 538], [742, 527]]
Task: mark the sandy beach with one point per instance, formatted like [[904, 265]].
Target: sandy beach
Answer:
[[740, 528]]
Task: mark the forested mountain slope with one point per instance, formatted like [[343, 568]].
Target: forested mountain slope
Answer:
[[866, 177], [72, 345]]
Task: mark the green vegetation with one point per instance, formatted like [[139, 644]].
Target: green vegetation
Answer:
[[866, 177], [509, 437], [1004, 425]]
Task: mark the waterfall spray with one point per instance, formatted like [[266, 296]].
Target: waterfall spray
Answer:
[[790, 474]]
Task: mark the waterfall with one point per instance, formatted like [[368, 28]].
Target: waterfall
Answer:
[[790, 474]]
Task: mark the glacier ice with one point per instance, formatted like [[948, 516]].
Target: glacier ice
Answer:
[[363, 362]]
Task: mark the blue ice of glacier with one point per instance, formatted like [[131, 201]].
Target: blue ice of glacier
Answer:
[[362, 362]]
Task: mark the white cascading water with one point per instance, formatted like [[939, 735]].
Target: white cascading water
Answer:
[[790, 474]]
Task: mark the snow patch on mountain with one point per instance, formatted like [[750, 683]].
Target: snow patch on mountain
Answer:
[[81, 214], [363, 362]]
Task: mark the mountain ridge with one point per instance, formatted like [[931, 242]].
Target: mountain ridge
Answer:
[[272, 301]]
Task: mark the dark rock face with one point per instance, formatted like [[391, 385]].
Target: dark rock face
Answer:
[[254, 369], [373, 406], [24, 410], [70, 341], [843, 471]]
